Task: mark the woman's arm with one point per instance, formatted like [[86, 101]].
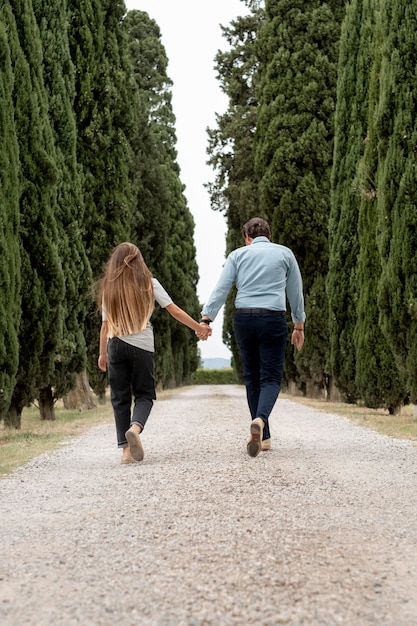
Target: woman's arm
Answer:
[[203, 330], [102, 359]]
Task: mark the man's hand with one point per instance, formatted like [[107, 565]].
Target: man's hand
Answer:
[[297, 338], [204, 333]]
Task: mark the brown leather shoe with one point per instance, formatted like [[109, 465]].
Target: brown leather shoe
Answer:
[[266, 445], [135, 444], [255, 442]]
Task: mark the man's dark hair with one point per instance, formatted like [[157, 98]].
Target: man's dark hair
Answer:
[[256, 227]]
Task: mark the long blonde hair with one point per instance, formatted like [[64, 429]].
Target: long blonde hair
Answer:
[[126, 291]]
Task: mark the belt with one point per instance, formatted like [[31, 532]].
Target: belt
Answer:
[[281, 313]]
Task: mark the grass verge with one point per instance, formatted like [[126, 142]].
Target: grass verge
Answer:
[[401, 426], [36, 436]]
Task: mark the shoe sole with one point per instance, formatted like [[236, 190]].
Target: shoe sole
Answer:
[[135, 445], [254, 444]]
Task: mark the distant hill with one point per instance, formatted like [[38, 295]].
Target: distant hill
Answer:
[[215, 364]]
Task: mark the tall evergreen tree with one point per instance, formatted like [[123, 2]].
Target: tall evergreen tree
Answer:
[[42, 278], [351, 120], [298, 50], [168, 245], [10, 296], [377, 378], [181, 281], [149, 62], [396, 124], [234, 190], [104, 111], [70, 356]]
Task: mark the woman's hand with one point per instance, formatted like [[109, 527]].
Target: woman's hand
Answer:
[[204, 332], [102, 362]]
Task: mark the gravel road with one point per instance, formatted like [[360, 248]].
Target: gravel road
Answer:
[[321, 530]]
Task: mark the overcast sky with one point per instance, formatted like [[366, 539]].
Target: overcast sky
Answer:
[[191, 35]]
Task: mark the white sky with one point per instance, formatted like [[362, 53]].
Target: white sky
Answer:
[[191, 35]]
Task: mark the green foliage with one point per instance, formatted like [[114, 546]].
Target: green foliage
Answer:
[[104, 107], [396, 126], [234, 190], [214, 377], [164, 227], [10, 296], [69, 357], [150, 226], [350, 139], [96, 166], [311, 371], [297, 51], [182, 285], [325, 152], [42, 279], [372, 227], [377, 378]]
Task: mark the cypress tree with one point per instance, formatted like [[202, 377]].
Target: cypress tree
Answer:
[[104, 121], [230, 149], [70, 356], [298, 48], [42, 278], [168, 245], [181, 282], [150, 226], [10, 296], [396, 124], [104, 112], [355, 61], [377, 378], [150, 187]]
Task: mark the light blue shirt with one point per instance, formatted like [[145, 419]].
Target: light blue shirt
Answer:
[[265, 274]]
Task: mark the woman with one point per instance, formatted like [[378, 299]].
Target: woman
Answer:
[[127, 295]]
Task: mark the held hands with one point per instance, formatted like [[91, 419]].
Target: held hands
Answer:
[[204, 333]]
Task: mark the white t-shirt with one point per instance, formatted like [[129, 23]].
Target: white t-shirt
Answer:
[[144, 340]]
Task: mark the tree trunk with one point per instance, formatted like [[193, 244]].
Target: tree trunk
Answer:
[[394, 409], [334, 394], [81, 397], [46, 404], [13, 418], [102, 398]]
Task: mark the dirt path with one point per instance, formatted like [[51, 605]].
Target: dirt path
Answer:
[[322, 530]]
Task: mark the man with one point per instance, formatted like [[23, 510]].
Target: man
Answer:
[[265, 274]]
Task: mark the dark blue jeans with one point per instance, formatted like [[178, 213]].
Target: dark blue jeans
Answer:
[[131, 374], [262, 340]]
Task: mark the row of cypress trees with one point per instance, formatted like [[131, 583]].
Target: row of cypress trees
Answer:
[[372, 281], [87, 160], [320, 138]]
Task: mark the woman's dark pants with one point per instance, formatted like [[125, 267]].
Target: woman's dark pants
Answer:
[[131, 374], [262, 340]]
